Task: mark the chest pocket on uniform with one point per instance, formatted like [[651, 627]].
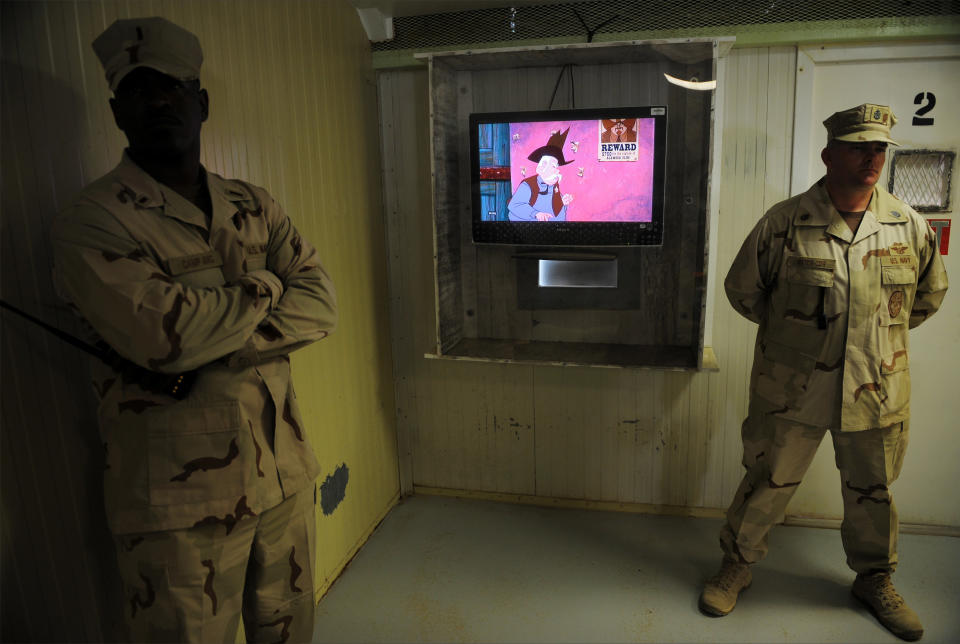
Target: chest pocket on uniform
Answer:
[[808, 279], [255, 257], [199, 270], [898, 285]]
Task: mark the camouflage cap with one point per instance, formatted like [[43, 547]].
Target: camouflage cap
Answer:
[[148, 42], [865, 122]]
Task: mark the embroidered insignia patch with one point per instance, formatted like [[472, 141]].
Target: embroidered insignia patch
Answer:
[[895, 304], [876, 114]]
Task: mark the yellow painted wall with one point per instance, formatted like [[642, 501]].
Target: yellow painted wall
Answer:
[[293, 108]]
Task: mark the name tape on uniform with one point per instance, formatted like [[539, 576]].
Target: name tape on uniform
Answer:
[[812, 262], [188, 263], [899, 260]]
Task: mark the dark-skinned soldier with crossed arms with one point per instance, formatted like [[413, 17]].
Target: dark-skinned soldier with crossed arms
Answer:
[[210, 492]]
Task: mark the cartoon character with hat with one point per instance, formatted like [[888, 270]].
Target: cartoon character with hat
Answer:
[[618, 130], [538, 198]]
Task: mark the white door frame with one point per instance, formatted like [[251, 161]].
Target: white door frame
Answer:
[[806, 124]]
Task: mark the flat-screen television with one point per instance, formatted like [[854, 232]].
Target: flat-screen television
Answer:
[[590, 177]]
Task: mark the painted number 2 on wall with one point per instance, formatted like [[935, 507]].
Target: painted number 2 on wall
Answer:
[[926, 101]]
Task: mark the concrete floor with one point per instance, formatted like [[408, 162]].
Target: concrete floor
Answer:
[[451, 570]]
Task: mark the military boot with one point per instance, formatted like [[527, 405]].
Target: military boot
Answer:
[[720, 593], [877, 593]]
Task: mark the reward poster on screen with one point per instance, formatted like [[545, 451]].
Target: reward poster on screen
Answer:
[[590, 170], [618, 140]]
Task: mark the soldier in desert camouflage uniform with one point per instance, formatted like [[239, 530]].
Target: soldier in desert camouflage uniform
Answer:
[[835, 277], [210, 495]]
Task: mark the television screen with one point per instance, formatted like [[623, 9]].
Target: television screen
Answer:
[[572, 177]]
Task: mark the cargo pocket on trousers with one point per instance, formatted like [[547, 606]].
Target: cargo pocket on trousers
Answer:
[[194, 453]]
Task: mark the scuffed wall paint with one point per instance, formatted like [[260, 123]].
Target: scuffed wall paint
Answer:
[[334, 489]]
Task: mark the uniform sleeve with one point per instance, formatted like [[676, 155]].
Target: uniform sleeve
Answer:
[[307, 310], [138, 309], [754, 271], [931, 276]]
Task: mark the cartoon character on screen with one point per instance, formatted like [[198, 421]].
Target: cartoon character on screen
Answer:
[[538, 198], [619, 130]]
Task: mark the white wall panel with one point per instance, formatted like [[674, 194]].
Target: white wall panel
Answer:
[[620, 436], [630, 436]]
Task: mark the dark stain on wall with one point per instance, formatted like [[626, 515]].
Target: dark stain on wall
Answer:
[[334, 488]]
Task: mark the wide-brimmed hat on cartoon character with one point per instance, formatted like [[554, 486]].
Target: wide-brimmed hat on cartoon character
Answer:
[[553, 148], [628, 125]]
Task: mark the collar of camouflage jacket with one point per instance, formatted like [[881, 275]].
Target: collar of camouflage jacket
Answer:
[[144, 189], [816, 209], [890, 210], [147, 192]]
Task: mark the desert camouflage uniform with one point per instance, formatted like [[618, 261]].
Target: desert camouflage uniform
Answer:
[[193, 584], [230, 300], [834, 311]]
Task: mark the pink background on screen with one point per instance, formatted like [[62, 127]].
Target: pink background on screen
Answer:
[[608, 190]]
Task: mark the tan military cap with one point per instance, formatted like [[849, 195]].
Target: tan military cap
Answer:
[[148, 42], [865, 122]]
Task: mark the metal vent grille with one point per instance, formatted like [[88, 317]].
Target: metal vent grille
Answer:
[[620, 16], [922, 178]]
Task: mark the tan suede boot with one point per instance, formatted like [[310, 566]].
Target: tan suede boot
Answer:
[[877, 593], [720, 593]]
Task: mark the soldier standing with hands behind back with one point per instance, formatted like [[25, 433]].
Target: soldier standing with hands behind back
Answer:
[[209, 492], [835, 277]]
